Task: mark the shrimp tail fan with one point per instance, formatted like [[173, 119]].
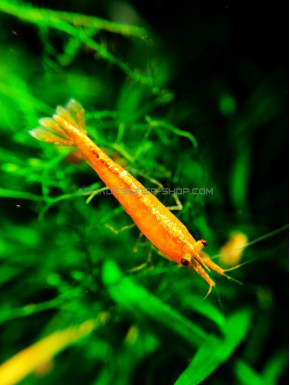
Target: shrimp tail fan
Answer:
[[53, 130]]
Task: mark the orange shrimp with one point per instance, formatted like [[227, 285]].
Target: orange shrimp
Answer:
[[155, 221]]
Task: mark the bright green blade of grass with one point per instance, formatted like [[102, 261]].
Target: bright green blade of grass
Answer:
[[214, 351], [205, 308], [247, 375], [275, 367], [141, 304]]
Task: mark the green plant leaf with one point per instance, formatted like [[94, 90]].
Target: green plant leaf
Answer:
[[247, 375], [141, 304], [214, 351], [206, 308], [275, 367]]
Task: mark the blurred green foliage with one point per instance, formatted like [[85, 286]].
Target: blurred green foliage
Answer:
[[163, 106]]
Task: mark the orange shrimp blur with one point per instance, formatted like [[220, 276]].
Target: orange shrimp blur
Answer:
[[156, 222]]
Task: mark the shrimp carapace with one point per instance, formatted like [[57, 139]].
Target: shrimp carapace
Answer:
[[156, 222]]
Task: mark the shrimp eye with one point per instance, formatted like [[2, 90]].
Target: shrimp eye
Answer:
[[184, 261], [204, 242]]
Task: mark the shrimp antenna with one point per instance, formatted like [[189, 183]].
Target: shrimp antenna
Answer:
[[254, 241], [233, 279], [207, 294], [268, 235], [219, 300], [241, 264]]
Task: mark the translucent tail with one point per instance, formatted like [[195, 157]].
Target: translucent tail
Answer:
[[52, 132]]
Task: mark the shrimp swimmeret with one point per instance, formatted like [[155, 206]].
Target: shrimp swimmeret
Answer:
[[156, 222]]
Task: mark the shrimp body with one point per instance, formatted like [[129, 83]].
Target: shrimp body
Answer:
[[155, 221]]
